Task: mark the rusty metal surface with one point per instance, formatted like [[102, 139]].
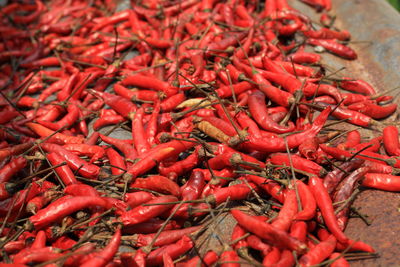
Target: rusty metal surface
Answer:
[[375, 29]]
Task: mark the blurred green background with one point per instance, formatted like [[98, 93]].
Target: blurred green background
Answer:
[[395, 3]]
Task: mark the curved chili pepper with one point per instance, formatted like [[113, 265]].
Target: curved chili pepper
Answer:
[[266, 231], [13, 167], [106, 255], [62, 207], [294, 140], [357, 86], [57, 138], [324, 203], [287, 213], [259, 111]]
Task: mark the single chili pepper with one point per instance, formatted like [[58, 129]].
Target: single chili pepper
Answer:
[[259, 111], [121, 105], [64, 172], [304, 58], [269, 186], [344, 191], [144, 213], [93, 151], [136, 95], [381, 181], [229, 258], [157, 183], [353, 139], [207, 260], [180, 167], [174, 250], [40, 240], [287, 213], [165, 238], [126, 149], [298, 163], [320, 252], [339, 260], [107, 120], [373, 145], [192, 189], [308, 202], [325, 33], [31, 255], [292, 141], [357, 86], [266, 231], [138, 133], [334, 47], [106, 255], [38, 202], [13, 167], [324, 203], [57, 138], [14, 150], [116, 160], [74, 162], [272, 257], [63, 207], [148, 83]]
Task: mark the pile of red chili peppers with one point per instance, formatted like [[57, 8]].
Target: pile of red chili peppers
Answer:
[[227, 109]]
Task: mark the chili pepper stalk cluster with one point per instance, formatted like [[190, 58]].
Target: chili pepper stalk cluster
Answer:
[[224, 104]]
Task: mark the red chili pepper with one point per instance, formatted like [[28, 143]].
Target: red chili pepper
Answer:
[[304, 58], [357, 86], [63, 207], [381, 181], [38, 255], [308, 202], [64, 172], [106, 255], [138, 133], [207, 260], [165, 238], [268, 232], [334, 47], [294, 140], [121, 105], [14, 150], [116, 160], [298, 163], [259, 111], [157, 183], [320, 252], [174, 250], [287, 213], [324, 203], [13, 167], [57, 138], [229, 258], [144, 213], [86, 169]]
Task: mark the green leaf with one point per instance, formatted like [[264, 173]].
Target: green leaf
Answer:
[[395, 4]]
